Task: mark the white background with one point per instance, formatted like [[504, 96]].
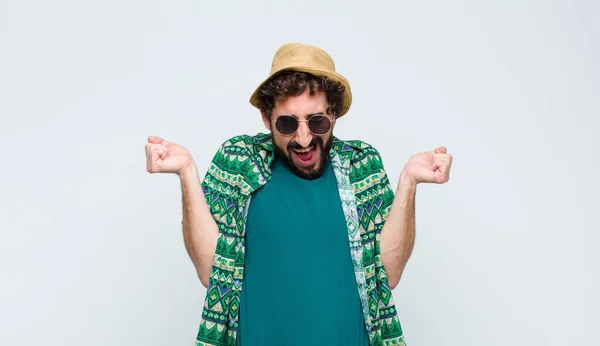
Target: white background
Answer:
[[91, 251]]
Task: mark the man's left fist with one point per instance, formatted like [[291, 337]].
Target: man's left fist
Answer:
[[429, 167]]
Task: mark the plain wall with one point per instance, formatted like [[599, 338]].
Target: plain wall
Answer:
[[91, 251]]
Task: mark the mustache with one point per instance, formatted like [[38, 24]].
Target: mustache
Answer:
[[313, 142]]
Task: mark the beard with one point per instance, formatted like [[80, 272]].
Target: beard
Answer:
[[314, 172]]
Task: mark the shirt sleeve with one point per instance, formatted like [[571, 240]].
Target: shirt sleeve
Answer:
[[382, 194], [382, 199], [214, 186], [222, 186]]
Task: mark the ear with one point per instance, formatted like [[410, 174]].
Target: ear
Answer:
[[266, 120], [333, 123]]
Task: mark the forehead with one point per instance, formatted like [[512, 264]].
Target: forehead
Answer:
[[302, 105]]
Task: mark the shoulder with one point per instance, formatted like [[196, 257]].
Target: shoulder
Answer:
[[366, 169], [240, 156], [359, 151], [245, 144]]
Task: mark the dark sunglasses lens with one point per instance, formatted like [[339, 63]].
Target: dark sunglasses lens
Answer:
[[286, 124], [319, 124]]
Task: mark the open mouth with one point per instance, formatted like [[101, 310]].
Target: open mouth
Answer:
[[305, 157]]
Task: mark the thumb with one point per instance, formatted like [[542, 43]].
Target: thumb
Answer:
[[155, 140], [440, 150]]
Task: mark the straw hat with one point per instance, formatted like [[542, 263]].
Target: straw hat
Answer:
[[305, 58]]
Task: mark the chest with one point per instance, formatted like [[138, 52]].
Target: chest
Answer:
[[290, 210]]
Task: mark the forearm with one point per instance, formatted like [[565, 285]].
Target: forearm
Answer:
[[398, 235], [200, 231]]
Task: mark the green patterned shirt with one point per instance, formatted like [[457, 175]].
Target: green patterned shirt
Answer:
[[240, 167]]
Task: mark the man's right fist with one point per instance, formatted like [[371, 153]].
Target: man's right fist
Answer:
[[166, 157]]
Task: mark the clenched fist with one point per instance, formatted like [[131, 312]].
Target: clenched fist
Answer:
[[166, 157], [429, 167]]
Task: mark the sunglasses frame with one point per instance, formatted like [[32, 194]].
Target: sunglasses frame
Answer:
[[331, 121]]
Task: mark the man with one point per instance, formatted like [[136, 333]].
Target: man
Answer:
[[297, 234]]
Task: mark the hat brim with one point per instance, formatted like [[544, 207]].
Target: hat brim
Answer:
[[347, 96]]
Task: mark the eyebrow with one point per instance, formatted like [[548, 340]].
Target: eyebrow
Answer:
[[308, 115]]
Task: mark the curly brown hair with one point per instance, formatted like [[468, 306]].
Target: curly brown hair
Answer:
[[294, 83]]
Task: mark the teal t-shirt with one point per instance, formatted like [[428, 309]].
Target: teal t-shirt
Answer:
[[299, 286]]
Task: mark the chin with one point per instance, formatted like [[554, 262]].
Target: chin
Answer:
[[309, 173], [312, 172]]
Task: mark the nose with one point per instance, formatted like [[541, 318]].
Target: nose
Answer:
[[303, 136]]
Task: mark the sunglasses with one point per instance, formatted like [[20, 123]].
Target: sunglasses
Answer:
[[287, 125]]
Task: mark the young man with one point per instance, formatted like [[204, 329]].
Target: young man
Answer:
[[296, 234]]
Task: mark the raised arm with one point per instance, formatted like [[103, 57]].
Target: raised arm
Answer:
[[398, 234], [200, 231]]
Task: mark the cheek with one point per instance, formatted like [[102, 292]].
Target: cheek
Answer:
[[324, 139], [281, 141]]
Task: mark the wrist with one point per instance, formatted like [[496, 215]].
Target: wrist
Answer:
[[189, 171], [406, 185]]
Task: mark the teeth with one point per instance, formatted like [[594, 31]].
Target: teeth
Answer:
[[304, 150]]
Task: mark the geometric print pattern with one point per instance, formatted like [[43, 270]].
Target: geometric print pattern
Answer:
[[239, 168]]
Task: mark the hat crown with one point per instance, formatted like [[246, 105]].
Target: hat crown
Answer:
[[295, 54], [308, 59]]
